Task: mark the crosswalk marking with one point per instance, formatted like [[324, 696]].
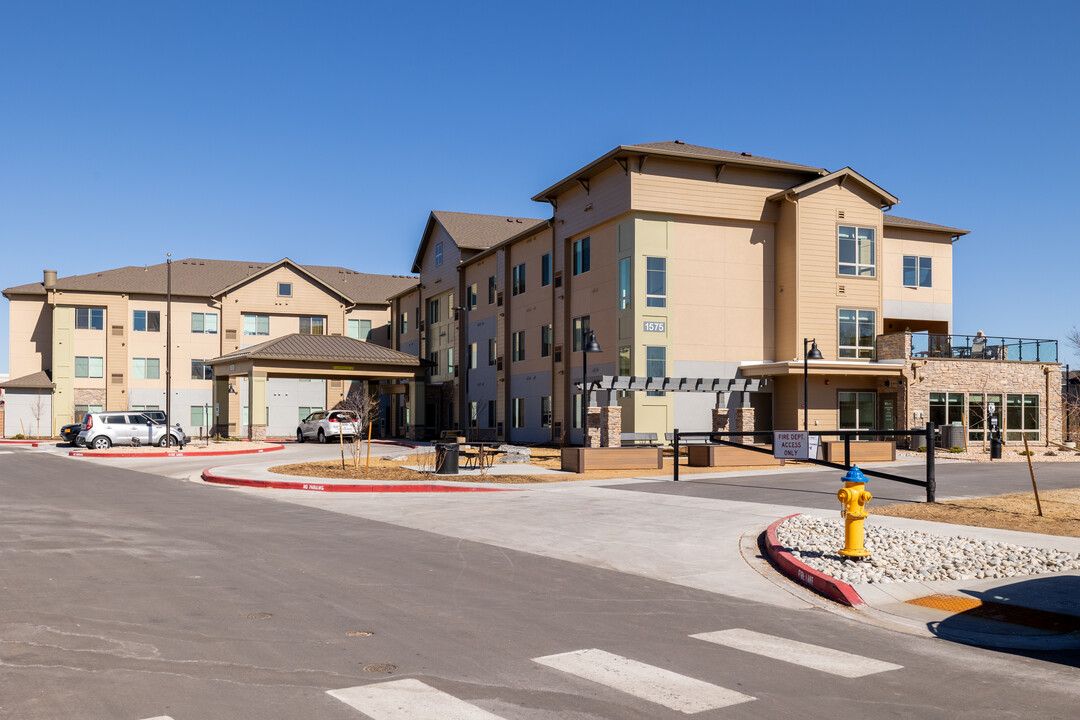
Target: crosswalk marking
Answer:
[[160, 717], [815, 657], [408, 700], [647, 682]]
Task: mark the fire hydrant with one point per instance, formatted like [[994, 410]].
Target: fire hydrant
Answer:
[[854, 498]]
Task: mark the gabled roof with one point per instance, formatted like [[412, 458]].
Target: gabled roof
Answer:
[[34, 381], [471, 231], [198, 277], [320, 348], [902, 222], [674, 149], [840, 176]]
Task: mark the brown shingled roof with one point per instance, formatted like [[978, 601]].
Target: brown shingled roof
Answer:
[[472, 231], [320, 348], [902, 222], [39, 380], [204, 278]]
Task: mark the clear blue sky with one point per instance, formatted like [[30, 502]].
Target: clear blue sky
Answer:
[[325, 131]]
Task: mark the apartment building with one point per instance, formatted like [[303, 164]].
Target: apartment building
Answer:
[[98, 341], [691, 262]]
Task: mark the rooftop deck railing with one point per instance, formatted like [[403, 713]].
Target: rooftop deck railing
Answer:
[[983, 347]]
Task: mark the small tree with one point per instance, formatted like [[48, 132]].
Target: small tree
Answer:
[[365, 406], [37, 410]]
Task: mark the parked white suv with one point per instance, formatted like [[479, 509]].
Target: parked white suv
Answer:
[[325, 424]]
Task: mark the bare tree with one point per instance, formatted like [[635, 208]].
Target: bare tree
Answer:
[[365, 406], [37, 410]]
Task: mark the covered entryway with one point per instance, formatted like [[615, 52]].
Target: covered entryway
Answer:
[[335, 358]]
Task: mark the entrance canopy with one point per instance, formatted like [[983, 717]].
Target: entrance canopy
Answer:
[[318, 356]]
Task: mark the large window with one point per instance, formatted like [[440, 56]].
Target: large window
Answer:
[[450, 365], [581, 328], [403, 323], [946, 408], [625, 287], [256, 324], [856, 250], [983, 410], [359, 329], [857, 410], [82, 410], [857, 329], [89, 367], [199, 416], [491, 290], [517, 350], [545, 270], [656, 282], [1021, 417], [89, 318], [493, 351], [313, 326], [470, 297], [545, 341], [433, 311], [145, 368], [146, 321], [575, 411], [517, 412], [918, 271], [582, 256], [201, 371], [284, 289], [655, 365], [518, 279], [205, 323], [545, 411]]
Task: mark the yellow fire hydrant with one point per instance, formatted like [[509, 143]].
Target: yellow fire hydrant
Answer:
[[854, 498]]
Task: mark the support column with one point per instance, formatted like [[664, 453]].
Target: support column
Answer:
[[256, 405], [611, 426], [593, 429], [744, 419], [720, 420]]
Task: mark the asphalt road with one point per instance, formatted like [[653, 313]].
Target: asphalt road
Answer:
[[134, 595]]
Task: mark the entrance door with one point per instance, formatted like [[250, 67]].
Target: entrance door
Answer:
[[887, 411]]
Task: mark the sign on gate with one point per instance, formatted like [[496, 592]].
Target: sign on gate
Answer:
[[791, 445]]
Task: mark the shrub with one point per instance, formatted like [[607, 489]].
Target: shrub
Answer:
[[956, 449], [20, 436], [1025, 452], [922, 448]]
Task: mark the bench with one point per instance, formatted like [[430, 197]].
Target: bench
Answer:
[[642, 439], [670, 437]]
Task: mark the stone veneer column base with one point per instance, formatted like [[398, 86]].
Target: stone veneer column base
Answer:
[[611, 426], [592, 427], [257, 432], [744, 419], [720, 419]]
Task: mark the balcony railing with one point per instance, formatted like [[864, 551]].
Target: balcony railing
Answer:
[[983, 347]]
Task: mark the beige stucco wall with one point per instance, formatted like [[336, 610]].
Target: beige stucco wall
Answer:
[[29, 335]]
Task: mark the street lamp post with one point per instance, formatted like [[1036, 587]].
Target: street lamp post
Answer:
[[468, 363], [588, 345], [813, 354]]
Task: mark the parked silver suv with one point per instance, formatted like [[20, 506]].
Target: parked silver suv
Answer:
[[102, 430], [325, 424]]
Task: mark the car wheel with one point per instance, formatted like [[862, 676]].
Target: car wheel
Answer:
[[299, 436], [162, 442], [101, 443], [322, 436]]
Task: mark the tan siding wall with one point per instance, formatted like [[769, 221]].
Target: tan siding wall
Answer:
[[532, 309], [608, 196], [786, 259], [899, 243], [29, 335]]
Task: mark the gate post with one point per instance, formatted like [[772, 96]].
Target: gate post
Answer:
[[675, 435], [931, 476]]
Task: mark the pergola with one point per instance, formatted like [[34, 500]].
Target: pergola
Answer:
[[324, 357]]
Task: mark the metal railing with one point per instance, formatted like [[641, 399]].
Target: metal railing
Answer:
[[927, 433], [983, 347]]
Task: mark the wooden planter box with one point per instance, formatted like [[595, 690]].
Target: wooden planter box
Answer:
[[862, 451], [727, 456], [578, 459]]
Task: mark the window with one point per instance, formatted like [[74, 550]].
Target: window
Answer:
[[656, 282], [545, 270], [284, 289], [857, 329], [201, 371], [857, 410], [89, 318], [89, 367], [450, 364], [146, 321], [624, 361], [491, 413], [473, 410], [545, 341], [518, 279], [656, 365], [493, 351], [472, 356], [545, 411], [256, 324], [438, 254], [980, 416], [856, 251], [205, 323], [470, 297], [945, 408], [517, 349], [146, 368], [517, 412], [433, 311], [403, 323], [304, 412], [360, 329], [491, 290], [624, 283], [918, 271], [581, 256], [199, 416], [433, 356], [81, 411], [581, 328], [1021, 417], [312, 326]]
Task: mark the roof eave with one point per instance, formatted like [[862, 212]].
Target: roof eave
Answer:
[[544, 224]]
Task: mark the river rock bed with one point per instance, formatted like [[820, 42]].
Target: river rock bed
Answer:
[[905, 555]]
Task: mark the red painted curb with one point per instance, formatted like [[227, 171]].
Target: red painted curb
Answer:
[[91, 453], [31, 443], [803, 574], [210, 477]]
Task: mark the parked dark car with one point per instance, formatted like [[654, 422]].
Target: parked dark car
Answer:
[[68, 433]]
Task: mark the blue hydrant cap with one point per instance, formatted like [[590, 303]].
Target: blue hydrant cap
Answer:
[[855, 475]]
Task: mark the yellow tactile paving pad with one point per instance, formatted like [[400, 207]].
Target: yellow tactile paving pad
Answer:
[[989, 610]]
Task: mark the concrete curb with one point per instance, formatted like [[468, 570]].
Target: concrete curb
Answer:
[[805, 575], [211, 477], [181, 453], [373, 442], [31, 443]]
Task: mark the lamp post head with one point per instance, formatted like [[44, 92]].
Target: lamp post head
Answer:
[[814, 353], [591, 346]]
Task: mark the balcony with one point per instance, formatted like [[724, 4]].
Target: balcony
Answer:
[[905, 345]]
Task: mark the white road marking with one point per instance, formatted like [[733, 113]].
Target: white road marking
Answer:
[[408, 700], [160, 717], [9, 452], [647, 682], [815, 657]]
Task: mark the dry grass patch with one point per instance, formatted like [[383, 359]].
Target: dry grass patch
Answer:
[[1015, 511]]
